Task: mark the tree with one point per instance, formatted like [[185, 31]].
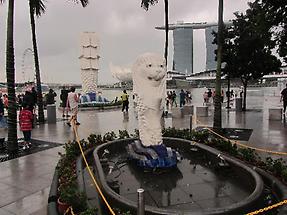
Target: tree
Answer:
[[10, 73], [37, 8], [217, 102], [276, 14], [145, 4], [249, 42]]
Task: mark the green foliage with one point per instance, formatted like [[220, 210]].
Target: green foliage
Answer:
[[76, 199], [123, 134], [95, 139], [90, 211], [136, 134], [120, 212], [276, 15], [146, 3], [226, 146], [248, 154], [276, 166], [284, 174], [248, 45], [109, 136]]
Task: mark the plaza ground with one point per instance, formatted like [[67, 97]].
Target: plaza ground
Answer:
[[25, 181]]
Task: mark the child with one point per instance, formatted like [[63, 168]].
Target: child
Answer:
[[26, 121]]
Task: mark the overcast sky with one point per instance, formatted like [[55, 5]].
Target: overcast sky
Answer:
[[124, 28]]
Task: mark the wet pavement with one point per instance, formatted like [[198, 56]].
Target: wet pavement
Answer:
[[25, 181]]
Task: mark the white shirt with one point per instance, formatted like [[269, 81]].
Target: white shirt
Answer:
[[73, 99]]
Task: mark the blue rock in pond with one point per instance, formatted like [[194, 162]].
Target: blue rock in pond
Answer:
[[152, 157]]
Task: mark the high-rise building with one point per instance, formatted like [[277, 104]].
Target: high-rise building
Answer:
[[183, 50], [183, 45]]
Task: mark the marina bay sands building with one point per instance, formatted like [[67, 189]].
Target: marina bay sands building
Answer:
[[183, 45]]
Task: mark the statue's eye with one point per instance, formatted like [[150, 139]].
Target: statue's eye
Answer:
[[149, 65]]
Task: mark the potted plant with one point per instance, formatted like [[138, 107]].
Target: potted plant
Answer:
[[69, 196], [66, 194]]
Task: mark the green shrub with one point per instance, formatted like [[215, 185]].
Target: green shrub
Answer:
[[90, 211]]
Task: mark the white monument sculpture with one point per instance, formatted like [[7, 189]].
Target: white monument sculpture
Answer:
[[149, 84], [89, 61]]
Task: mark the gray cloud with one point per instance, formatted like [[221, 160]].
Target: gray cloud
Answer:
[[124, 28]]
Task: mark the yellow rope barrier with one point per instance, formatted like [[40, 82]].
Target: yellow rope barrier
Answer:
[[242, 145], [89, 170], [257, 149], [269, 207], [70, 209], [235, 142]]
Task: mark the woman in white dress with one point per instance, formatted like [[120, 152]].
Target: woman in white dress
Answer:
[[73, 101]]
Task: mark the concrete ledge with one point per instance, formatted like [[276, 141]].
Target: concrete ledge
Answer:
[[202, 111], [275, 113], [176, 113], [52, 199], [187, 109], [52, 208], [53, 189]]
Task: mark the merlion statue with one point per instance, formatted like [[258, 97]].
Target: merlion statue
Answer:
[[149, 86]]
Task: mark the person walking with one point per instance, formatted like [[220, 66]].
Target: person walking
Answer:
[[72, 102], [35, 96], [182, 98], [64, 97], [284, 99], [125, 99], [26, 124], [174, 98]]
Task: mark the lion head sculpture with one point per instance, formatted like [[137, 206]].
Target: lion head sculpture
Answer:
[[149, 79]]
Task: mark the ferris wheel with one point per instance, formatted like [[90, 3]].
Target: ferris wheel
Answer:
[[28, 71]]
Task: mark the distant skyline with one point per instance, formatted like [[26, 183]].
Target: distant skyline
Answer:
[[125, 30]]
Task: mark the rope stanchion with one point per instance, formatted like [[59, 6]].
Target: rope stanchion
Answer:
[[89, 170], [242, 145]]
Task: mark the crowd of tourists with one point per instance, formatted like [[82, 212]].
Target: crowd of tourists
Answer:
[[184, 98]]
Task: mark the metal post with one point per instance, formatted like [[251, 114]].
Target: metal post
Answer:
[[141, 204], [190, 122]]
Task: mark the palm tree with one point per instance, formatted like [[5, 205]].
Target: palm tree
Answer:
[[12, 146], [37, 8], [145, 4], [217, 102]]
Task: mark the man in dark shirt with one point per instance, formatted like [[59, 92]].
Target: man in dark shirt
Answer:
[[34, 94], [284, 98], [64, 97], [50, 97]]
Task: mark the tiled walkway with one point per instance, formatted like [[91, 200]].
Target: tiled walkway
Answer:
[[24, 182]]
